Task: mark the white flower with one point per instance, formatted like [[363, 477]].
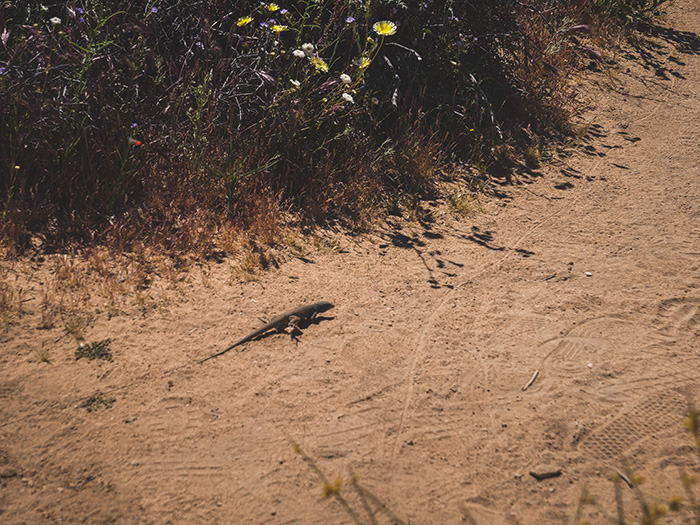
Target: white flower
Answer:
[[44, 8], [295, 83], [55, 20], [348, 97], [298, 53], [308, 49], [345, 79], [375, 100]]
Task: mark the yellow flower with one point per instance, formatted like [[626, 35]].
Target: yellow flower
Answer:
[[384, 28], [278, 28], [244, 21], [319, 64], [272, 7], [364, 62]]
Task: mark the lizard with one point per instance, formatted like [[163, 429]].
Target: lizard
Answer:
[[288, 321]]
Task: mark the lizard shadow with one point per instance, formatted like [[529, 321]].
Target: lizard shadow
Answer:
[[302, 325]]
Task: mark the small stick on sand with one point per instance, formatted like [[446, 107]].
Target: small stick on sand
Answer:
[[532, 380], [624, 478]]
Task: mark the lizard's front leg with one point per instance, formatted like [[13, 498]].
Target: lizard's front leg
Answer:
[[293, 326]]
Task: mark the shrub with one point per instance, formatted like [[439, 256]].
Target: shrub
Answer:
[[137, 119]]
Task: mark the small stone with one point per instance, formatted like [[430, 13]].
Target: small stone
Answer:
[[545, 471], [7, 472], [589, 274]]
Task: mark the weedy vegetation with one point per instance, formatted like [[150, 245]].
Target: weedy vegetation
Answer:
[[463, 202], [43, 355], [95, 350], [97, 401], [10, 305], [172, 124], [353, 500]]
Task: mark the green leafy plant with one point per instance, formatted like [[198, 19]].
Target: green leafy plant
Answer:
[[95, 350]]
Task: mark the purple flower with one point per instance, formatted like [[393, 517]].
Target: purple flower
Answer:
[[81, 19], [79, 10], [349, 20], [154, 9], [264, 24], [133, 125], [3, 70], [199, 45], [284, 12]]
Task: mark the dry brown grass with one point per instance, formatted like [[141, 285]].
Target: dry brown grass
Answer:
[[13, 296]]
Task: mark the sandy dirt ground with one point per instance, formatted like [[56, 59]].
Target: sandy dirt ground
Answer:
[[586, 272]]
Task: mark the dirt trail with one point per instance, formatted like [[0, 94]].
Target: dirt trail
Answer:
[[588, 274]]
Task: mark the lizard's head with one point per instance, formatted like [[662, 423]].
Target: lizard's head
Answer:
[[323, 306]]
